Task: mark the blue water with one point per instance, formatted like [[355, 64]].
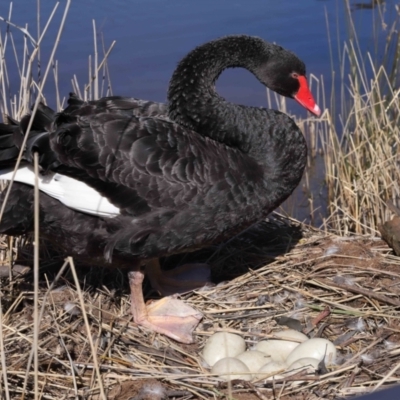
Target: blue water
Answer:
[[153, 35]]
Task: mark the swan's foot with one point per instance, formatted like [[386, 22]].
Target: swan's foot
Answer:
[[168, 316], [182, 279]]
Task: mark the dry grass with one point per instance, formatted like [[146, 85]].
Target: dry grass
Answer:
[[29, 63], [343, 289], [361, 149], [359, 144], [362, 164]]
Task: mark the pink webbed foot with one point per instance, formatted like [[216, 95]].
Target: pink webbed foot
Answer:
[[168, 316]]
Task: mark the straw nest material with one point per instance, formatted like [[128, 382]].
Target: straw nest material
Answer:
[[345, 289]]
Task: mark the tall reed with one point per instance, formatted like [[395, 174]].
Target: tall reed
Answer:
[[361, 144], [357, 138]]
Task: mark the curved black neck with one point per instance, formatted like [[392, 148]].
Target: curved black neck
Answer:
[[269, 137], [193, 100]]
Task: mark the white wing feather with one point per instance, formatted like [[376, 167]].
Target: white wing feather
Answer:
[[71, 192]]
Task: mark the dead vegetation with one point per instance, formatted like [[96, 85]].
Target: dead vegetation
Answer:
[[360, 143], [344, 289]]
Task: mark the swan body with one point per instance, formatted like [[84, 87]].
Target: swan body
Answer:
[[173, 178]]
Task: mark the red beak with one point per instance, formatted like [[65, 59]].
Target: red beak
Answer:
[[305, 98]]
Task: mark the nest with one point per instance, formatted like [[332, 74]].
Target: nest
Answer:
[[345, 289]]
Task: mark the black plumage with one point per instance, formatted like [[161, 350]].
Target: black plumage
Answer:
[[183, 175]]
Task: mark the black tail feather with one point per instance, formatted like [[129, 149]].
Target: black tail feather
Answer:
[[8, 149], [12, 136]]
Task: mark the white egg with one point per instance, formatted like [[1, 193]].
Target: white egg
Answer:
[[314, 348], [308, 365], [271, 370], [291, 334], [230, 368], [221, 345], [254, 359], [278, 350]]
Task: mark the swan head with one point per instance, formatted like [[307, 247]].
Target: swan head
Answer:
[[284, 73]]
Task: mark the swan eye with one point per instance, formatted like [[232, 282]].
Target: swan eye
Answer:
[[295, 75]]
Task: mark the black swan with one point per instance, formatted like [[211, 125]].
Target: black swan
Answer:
[[141, 180]]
